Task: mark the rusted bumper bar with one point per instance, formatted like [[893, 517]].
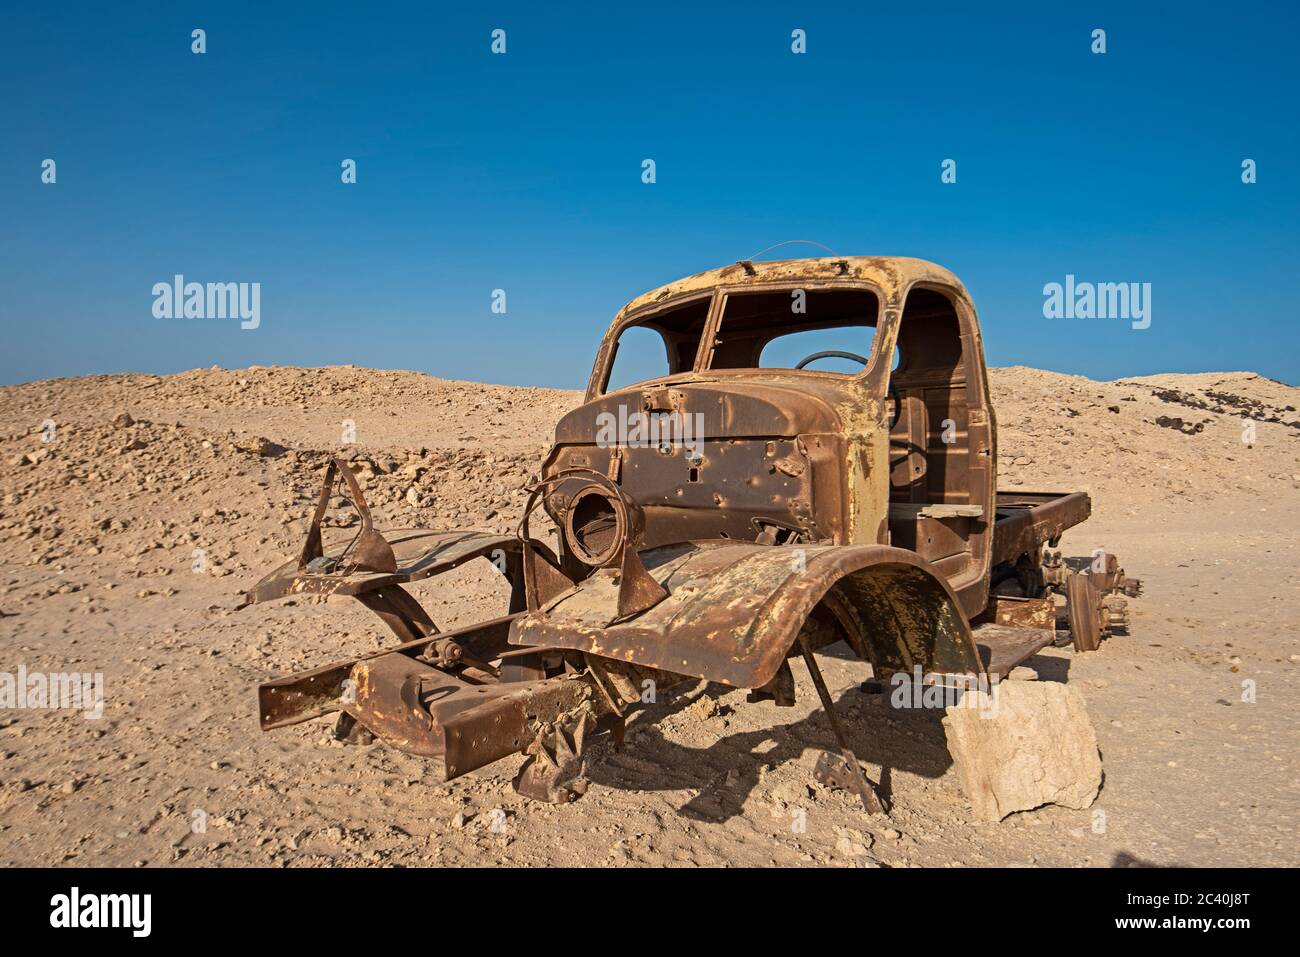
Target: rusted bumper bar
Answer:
[[402, 698], [423, 710]]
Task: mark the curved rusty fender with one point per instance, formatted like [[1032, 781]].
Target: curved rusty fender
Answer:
[[735, 608]]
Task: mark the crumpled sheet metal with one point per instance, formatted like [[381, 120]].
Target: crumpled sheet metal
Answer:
[[421, 553]]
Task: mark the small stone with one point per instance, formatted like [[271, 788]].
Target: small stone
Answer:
[[258, 445], [847, 847], [703, 708]]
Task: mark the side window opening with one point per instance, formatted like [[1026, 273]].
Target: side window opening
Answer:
[[641, 354], [663, 344]]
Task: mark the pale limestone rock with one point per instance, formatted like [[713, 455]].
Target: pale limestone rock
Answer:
[[1039, 747]]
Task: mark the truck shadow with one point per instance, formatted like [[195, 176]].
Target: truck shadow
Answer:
[[1125, 859], [728, 770], [1050, 668]]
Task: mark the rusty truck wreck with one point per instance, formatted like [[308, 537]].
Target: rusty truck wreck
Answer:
[[733, 512]]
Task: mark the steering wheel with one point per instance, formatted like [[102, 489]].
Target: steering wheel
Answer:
[[832, 354], [854, 357]]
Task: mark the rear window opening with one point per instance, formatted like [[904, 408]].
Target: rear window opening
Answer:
[[778, 330]]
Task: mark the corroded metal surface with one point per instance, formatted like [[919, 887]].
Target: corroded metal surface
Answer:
[[1027, 521], [310, 694], [1085, 615], [888, 272]]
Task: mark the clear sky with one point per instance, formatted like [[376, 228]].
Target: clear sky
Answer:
[[523, 172]]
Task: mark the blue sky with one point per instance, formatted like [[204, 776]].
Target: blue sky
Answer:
[[523, 172]]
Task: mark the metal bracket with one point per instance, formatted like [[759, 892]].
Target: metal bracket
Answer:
[[554, 769], [372, 551], [838, 770], [843, 771]]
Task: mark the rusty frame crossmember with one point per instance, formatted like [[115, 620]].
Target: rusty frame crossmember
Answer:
[[405, 696]]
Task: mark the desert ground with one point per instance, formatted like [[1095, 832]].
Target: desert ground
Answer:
[[136, 509]]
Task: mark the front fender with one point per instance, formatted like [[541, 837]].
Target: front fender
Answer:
[[734, 609]]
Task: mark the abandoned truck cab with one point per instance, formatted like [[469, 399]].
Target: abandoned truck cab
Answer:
[[771, 457], [825, 401]]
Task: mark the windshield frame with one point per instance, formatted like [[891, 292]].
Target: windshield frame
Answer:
[[886, 330], [603, 368], [718, 316]]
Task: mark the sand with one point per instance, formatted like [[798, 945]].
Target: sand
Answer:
[[127, 539]]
